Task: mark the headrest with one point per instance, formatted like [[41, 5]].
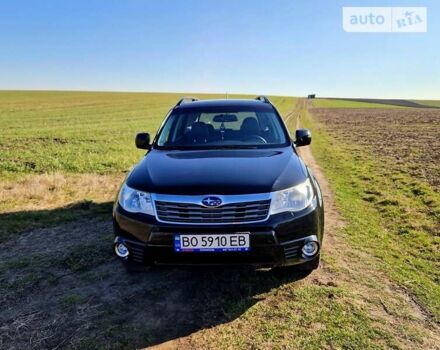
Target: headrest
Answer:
[[199, 132], [250, 126]]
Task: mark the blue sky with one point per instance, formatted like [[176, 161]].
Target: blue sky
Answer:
[[280, 47]]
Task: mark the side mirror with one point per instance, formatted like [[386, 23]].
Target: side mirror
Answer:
[[143, 140], [303, 137]]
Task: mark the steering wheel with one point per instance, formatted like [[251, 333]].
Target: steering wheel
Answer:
[[256, 138]]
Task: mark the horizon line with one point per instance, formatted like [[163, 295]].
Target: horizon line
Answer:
[[211, 93]]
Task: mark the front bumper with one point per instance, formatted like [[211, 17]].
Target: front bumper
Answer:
[[274, 242]]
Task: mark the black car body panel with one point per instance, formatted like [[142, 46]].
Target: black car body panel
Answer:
[[263, 169], [215, 171]]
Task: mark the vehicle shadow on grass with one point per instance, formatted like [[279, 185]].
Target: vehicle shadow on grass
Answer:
[[206, 297], [61, 286]]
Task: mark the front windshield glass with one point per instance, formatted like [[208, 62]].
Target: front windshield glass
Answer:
[[189, 128]]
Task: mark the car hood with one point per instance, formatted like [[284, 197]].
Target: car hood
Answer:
[[218, 171]]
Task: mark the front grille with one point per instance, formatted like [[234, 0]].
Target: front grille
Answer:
[[229, 213]]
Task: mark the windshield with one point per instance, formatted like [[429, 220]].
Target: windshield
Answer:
[[222, 127]]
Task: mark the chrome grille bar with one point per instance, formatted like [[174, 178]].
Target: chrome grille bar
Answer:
[[190, 210]]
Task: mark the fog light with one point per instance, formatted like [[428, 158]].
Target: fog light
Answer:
[[310, 249], [121, 250]]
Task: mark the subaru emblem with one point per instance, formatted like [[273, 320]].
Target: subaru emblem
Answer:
[[211, 201]]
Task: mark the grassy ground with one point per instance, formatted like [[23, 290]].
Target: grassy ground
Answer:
[[434, 103], [78, 132], [333, 103], [390, 214], [378, 286], [71, 150], [371, 103], [406, 140]]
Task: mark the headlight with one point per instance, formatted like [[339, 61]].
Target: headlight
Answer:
[[292, 199], [135, 201]]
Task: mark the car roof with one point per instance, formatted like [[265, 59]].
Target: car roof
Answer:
[[224, 103]]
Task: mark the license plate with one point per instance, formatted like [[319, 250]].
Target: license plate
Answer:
[[234, 242]]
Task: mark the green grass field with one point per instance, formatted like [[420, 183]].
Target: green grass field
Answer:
[[72, 149], [433, 103], [63, 156], [333, 103], [390, 214], [79, 132]]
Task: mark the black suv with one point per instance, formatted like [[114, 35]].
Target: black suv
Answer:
[[221, 183]]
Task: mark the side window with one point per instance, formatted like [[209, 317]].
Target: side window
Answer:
[[165, 134], [177, 129]]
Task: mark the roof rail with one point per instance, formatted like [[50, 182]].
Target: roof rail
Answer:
[[186, 100], [262, 99]]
